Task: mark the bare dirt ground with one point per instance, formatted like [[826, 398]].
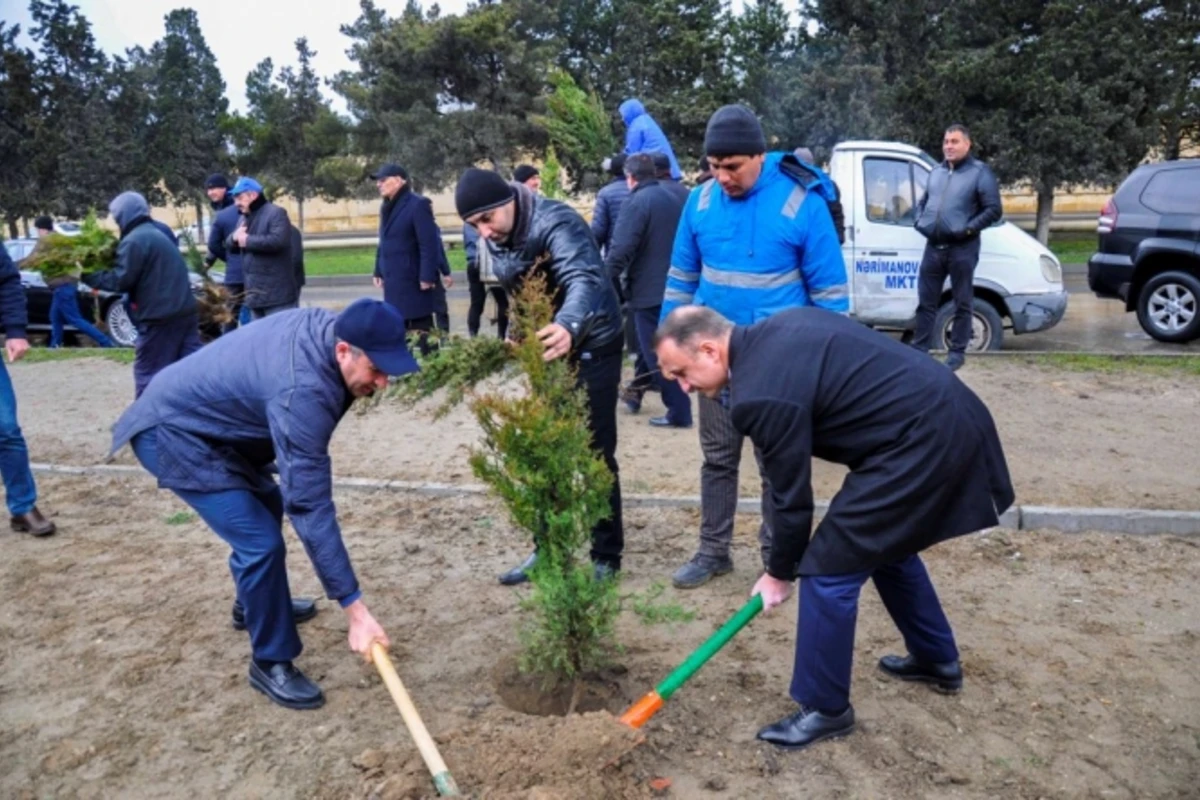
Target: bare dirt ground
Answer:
[[1123, 440], [120, 675]]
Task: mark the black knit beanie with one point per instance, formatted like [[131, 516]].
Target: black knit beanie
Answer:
[[734, 131], [524, 172], [216, 181], [480, 190]]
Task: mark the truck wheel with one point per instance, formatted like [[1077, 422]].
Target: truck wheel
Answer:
[[987, 328], [1167, 307], [120, 327]]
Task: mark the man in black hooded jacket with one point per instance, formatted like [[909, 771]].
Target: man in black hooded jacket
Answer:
[[152, 272], [522, 229]]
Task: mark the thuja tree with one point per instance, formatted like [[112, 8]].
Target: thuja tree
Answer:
[[537, 456]]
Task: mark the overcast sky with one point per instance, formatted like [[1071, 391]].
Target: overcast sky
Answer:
[[240, 33]]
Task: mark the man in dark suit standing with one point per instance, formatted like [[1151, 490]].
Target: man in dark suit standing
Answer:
[[408, 262], [925, 462], [638, 260]]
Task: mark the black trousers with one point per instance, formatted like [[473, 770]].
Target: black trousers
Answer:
[[479, 292], [600, 376], [237, 293], [161, 344], [957, 261]]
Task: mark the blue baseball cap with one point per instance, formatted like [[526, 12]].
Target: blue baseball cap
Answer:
[[246, 185], [377, 329]]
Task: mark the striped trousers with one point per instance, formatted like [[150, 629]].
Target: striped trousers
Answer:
[[721, 445]]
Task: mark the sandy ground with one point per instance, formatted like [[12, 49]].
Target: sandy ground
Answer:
[[120, 675], [1072, 438]]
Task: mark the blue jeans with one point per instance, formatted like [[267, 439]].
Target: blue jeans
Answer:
[[252, 525], [679, 405], [19, 488], [64, 310], [829, 613]]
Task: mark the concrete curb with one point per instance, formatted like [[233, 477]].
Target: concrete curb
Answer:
[[1135, 521]]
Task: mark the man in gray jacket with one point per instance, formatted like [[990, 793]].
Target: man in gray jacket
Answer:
[[961, 200], [210, 427], [265, 241]]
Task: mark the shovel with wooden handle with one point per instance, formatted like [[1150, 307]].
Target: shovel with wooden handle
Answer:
[[442, 779]]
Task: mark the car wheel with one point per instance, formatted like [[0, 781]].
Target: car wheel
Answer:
[[1168, 305], [120, 327], [987, 328]]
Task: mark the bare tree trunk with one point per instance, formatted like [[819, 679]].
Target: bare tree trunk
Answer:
[[1045, 209], [13, 233], [576, 694], [200, 223], [300, 211]]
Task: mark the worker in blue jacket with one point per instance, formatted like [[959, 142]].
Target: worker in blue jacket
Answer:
[[643, 134], [755, 240], [209, 428]]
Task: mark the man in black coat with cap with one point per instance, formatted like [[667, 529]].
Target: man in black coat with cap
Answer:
[[408, 264], [925, 462], [522, 230]]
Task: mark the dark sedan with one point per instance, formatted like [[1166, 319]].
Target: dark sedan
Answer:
[[111, 316]]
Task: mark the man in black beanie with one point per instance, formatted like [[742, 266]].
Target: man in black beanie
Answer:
[[756, 239], [528, 175], [520, 228]]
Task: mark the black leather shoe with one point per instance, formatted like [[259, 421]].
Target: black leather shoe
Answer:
[[807, 727], [700, 570], [520, 573], [303, 609], [945, 678], [664, 422], [286, 685]]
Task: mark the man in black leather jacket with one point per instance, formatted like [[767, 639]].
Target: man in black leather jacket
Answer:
[[962, 199], [520, 228]]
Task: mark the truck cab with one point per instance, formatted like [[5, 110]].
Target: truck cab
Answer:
[[1018, 282]]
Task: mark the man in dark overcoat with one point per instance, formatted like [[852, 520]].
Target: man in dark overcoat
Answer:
[[925, 466], [408, 262]]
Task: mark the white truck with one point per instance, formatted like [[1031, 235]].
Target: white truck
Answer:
[[1018, 283]]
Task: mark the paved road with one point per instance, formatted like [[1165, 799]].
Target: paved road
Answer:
[[1090, 325]]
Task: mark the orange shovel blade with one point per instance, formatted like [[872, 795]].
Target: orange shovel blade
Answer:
[[641, 711]]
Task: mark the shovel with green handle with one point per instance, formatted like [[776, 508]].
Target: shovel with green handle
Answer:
[[641, 711]]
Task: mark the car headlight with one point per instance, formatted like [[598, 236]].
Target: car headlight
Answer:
[[1051, 269]]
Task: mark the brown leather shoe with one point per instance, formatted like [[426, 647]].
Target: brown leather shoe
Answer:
[[33, 523]]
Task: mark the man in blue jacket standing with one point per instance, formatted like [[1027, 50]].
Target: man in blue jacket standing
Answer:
[[19, 489], [755, 240], [225, 221], [210, 427], [643, 135]]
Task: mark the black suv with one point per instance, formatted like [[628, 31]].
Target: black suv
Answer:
[[1150, 249]]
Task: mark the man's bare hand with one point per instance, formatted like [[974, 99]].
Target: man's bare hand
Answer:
[[773, 591], [447, 281], [16, 349], [556, 339], [425, 287], [364, 630], [240, 236], [378, 282]]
